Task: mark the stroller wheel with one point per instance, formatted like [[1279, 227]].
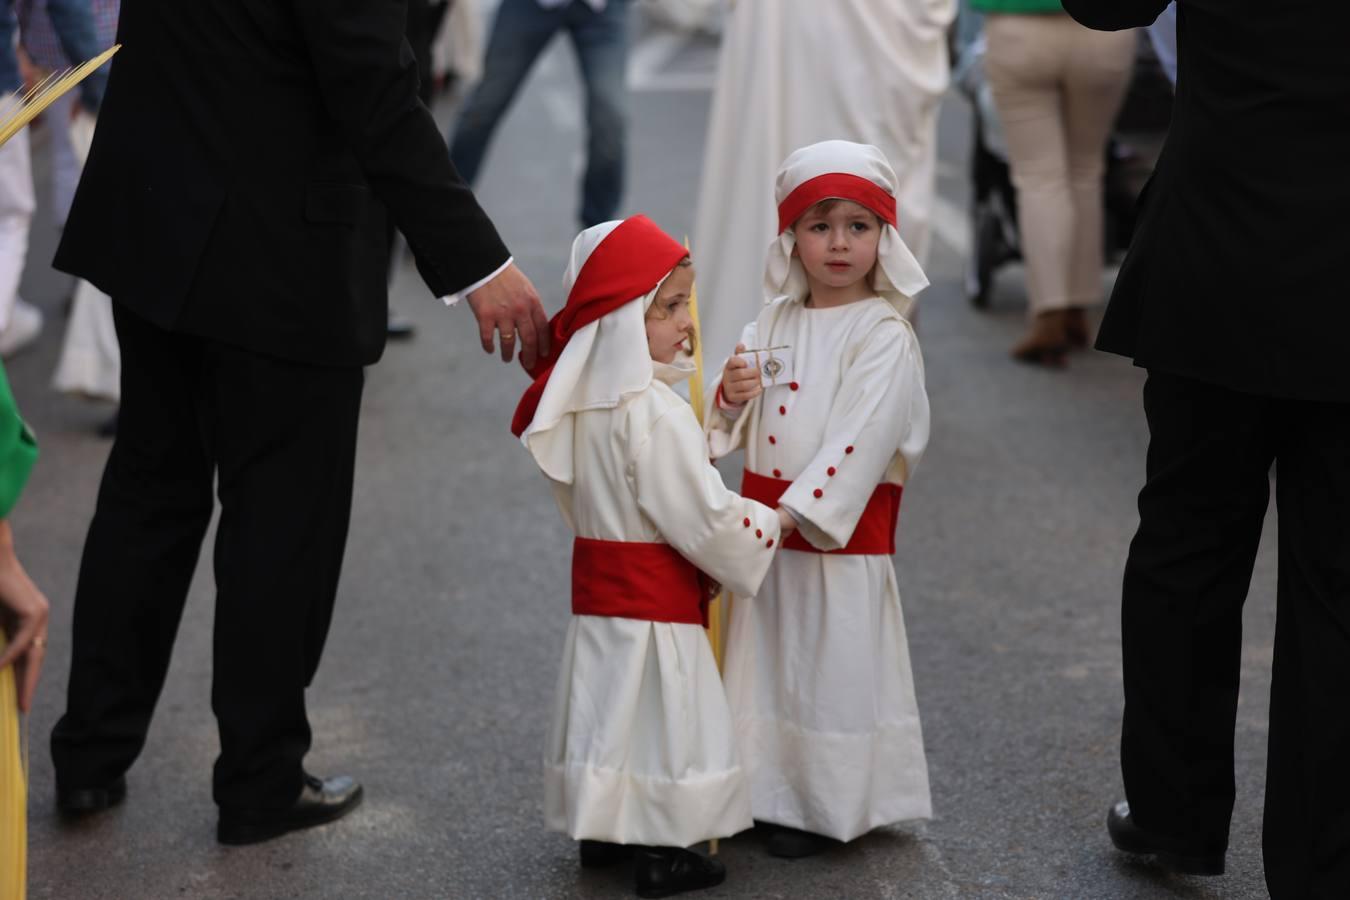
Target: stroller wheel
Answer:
[[988, 251]]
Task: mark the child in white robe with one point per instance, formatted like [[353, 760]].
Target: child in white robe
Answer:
[[833, 416], [641, 755]]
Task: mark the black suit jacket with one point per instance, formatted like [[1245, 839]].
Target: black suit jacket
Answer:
[[248, 158], [1239, 273]]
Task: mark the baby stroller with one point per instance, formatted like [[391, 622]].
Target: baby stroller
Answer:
[[1131, 153]]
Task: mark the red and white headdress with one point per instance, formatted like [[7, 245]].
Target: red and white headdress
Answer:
[[599, 349], [846, 171]]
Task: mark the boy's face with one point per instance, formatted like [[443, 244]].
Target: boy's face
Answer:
[[669, 322], [838, 247]]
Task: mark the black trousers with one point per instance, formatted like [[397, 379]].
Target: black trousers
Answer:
[[1189, 569], [279, 440]]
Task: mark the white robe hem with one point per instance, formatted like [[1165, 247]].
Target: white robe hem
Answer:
[[592, 803]]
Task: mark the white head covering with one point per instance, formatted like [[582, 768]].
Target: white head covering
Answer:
[[603, 362], [899, 277]]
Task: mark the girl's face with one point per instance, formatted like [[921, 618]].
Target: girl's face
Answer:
[[669, 323], [838, 247]]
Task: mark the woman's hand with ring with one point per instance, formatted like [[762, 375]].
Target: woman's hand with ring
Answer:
[[23, 615]]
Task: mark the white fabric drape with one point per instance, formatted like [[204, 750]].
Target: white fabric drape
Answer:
[[792, 73], [899, 277]]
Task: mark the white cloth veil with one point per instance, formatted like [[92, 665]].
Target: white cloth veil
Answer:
[[603, 363], [899, 277]]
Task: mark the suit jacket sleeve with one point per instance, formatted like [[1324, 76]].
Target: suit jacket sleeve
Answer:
[[368, 79], [1115, 15]]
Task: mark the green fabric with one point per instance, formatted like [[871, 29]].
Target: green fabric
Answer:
[[18, 449], [1018, 6]]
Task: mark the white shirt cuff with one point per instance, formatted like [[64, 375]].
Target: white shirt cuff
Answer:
[[452, 299]]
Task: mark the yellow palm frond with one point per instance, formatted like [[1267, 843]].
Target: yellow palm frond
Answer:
[[22, 109], [13, 790]]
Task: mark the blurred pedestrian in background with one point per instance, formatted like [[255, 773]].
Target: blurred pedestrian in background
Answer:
[[91, 361], [522, 29], [73, 23], [794, 73], [1233, 297], [424, 18], [1057, 87], [457, 46], [38, 38]]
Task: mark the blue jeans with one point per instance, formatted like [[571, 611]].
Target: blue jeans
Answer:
[[520, 33]]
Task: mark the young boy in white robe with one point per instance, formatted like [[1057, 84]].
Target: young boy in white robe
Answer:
[[827, 397], [641, 758]]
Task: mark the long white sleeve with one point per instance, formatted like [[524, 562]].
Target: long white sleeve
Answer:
[[728, 537], [725, 428], [877, 430]]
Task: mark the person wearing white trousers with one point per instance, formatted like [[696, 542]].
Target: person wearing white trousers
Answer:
[[20, 322]]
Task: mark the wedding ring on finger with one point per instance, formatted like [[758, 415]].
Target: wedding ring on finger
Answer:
[[508, 337], [40, 642]]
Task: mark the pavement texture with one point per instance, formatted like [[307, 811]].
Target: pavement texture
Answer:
[[439, 672]]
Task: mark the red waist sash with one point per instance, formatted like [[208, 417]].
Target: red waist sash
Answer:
[[874, 534], [634, 580]]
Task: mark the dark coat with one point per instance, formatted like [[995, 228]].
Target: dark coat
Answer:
[[1239, 274], [249, 157]]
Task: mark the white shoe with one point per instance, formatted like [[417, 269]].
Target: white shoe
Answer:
[[25, 324]]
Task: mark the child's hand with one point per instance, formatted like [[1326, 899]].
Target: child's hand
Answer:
[[786, 523], [740, 383]]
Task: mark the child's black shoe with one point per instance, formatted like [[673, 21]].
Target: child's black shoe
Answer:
[[598, 854], [666, 871]]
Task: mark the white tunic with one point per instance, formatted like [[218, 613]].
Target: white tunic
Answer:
[[641, 750], [817, 667], [794, 72]]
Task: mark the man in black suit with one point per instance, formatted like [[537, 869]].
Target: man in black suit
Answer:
[[249, 158], [1233, 297]]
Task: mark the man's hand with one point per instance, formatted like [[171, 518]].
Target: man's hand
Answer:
[[29, 71], [740, 383], [509, 305], [786, 523]]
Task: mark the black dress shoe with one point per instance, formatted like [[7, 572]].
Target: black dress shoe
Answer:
[[81, 801], [399, 327], [108, 427], [1129, 837], [598, 854], [321, 800], [666, 871], [792, 843]]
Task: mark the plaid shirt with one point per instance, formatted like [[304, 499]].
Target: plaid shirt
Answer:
[[38, 35], [73, 23]]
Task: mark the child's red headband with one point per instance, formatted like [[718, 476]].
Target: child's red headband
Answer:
[[832, 186]]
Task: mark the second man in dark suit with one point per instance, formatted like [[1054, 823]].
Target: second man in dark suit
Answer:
[[1233, 297]]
